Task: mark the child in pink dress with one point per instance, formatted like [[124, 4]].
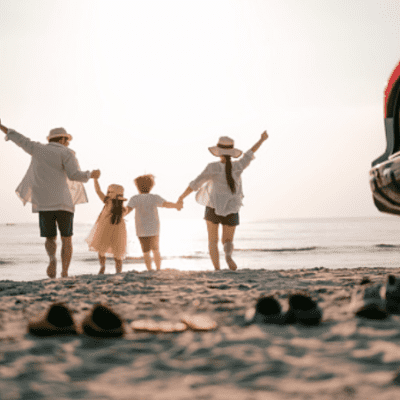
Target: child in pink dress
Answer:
[[108, 235]]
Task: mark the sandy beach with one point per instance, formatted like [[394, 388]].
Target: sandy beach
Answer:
[[345, 357]]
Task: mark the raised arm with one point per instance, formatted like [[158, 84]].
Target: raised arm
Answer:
[[3, 128], [98, 190], [25, 143], [264, 137]]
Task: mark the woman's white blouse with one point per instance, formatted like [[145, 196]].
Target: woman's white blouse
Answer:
[[213, 189]]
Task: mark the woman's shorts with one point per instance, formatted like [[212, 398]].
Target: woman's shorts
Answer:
[[230, 219], [48, 221], [149, 243]]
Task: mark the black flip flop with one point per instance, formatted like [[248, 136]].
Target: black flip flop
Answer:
[[303, 310], [57, 321], [268, 311], [393, 295], [102, 322]]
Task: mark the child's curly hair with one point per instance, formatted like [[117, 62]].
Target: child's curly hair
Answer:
[[144, 183]]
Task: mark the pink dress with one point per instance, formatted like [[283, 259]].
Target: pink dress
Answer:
[[106, 238]]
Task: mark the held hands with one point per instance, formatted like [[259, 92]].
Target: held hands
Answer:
[[95, 174], [179, 204]]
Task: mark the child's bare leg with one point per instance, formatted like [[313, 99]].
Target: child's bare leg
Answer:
[[102, 260], [157, 259], [118, 265], [147, 260]]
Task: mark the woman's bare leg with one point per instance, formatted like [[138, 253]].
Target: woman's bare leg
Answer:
[[212, 230], [228, 233]]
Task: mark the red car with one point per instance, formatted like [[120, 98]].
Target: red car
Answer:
[[385, 172]]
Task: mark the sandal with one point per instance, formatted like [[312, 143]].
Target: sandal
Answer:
[[56, 322], [102, 322]]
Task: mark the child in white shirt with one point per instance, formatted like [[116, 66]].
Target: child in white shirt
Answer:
[[146, 218]]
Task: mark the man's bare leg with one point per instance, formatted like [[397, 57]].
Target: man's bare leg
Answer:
[[66, 255], [51, 247]]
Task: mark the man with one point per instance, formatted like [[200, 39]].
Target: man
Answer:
[[53, 184]]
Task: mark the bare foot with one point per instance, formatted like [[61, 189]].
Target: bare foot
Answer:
[[52, 268], [64, 274], [118, 266], [102, 270], [231, 264]]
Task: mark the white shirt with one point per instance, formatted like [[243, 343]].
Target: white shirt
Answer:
[[213, 189], [146, 213], [53, 180]]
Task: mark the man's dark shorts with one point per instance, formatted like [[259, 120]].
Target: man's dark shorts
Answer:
[[48, 221], [230, 220]]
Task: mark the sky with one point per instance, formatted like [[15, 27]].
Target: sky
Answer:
[[148, 86]]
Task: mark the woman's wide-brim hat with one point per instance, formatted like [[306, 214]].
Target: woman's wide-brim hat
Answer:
[[225, 147], [59, 132], [119, 191]]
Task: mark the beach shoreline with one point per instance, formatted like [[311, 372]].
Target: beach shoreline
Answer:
[[344, 357]]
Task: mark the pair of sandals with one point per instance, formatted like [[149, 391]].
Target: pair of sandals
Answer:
[[373, 306], [101, 322], [302, 310]]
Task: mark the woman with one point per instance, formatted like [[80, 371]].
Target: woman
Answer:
[[219, 188]]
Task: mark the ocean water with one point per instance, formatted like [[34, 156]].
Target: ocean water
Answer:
[[271, 244]]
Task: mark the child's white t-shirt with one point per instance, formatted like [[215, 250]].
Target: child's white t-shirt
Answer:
[[146, 214]]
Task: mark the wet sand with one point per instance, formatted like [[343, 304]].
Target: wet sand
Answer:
[[345, 357]]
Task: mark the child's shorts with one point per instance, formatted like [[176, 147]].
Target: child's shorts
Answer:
[[149, 243], [230, 219]]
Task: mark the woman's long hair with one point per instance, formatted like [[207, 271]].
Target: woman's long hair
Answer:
[[228, 174], [116, 210]]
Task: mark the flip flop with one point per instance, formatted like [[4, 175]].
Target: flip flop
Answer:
[[56, 322], [304, 310], [102, 322], [372, 306], [268, 311], [199, 322], [393, 295], [149, 325]]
